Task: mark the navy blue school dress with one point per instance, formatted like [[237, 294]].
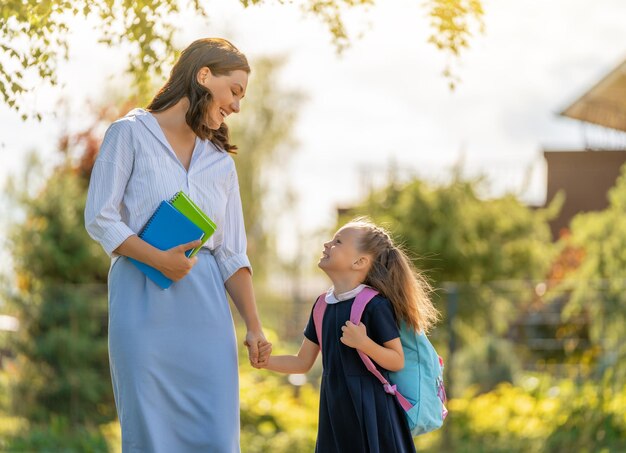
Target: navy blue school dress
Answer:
[[356, 415]]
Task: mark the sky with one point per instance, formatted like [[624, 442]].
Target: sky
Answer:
[[384, 100]]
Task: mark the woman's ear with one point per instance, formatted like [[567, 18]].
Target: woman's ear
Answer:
[[204, 75]]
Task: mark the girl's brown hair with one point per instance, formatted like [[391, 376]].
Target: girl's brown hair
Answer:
[[394, 276], [221, 57]]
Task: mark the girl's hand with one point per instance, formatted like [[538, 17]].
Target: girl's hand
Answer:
[[353, 335], [174, 264]]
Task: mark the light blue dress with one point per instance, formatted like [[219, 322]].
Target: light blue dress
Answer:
[[173, 353]]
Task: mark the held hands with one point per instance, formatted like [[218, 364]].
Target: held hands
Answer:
[[353, 335], [259, 349], [265, 351], [174, 264]]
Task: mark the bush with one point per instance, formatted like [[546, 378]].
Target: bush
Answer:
[[591, 421], [273, 418], [57, 437], [536, 417]]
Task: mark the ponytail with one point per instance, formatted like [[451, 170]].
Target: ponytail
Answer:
[[395, 277]]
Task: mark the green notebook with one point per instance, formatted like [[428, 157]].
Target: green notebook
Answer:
[[188, 208]]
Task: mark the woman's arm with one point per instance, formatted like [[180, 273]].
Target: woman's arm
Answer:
[[300, 363], [389, 356], [239, 287], [107, 184], [236, 271]]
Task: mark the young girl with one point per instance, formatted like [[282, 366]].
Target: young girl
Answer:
[[356, 415]]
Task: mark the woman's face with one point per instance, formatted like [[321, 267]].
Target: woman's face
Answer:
[[227, 91]]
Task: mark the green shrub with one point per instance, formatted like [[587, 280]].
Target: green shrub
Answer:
[[57, 437], [273, 418], [592, 421], [540, 416]]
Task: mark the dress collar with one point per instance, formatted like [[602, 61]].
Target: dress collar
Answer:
[[332, 299]]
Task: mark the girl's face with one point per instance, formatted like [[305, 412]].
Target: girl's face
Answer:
[[341, 252], [227, 91]]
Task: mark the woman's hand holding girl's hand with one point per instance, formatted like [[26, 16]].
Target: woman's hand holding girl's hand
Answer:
[[259, 349], [174, 264], [353, 335], [265, 351]]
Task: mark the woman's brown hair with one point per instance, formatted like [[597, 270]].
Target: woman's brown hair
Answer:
[[392, 273], [221, 57]]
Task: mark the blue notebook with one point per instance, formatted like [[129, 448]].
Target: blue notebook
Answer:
[[166, 228]]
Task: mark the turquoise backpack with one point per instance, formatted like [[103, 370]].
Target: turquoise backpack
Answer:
[[418, 387]]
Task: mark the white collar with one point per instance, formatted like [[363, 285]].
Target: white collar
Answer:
[[332, 299]]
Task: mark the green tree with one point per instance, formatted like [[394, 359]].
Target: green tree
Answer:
[[459, 236], [34, 33], [598, 285], [60, 300]]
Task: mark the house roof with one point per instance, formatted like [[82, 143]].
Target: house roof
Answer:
[[605, 103]]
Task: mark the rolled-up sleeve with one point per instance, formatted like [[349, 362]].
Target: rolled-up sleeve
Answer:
[[109, 178], [231, 254]]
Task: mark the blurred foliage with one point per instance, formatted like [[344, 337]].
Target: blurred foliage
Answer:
[[59, 299], [484, 363], [58, 436], [273, 417], [539, 416], [459, 236], [591, 419], [598, 281], [453, 22], [276, 416], [34, 34], [263, 132]]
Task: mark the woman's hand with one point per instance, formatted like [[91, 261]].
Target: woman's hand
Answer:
[[259, 349], [265, 351], [174, 264], [353, 335]]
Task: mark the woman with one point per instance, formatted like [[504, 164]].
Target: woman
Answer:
[[173, 353]]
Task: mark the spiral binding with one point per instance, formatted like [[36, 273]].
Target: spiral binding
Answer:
[[175, 197], [145, 227]]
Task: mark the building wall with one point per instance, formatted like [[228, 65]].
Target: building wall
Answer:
[[585, 177]]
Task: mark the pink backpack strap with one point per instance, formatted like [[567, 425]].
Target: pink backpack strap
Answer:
[[358, 307], [318, 317]]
